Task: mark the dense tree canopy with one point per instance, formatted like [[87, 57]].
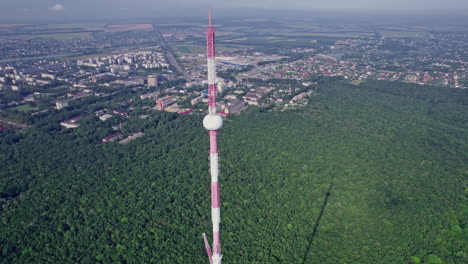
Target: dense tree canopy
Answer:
[[373, 173]]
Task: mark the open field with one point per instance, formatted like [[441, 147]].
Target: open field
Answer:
[[181, 24], [257, 40], [116, 28], [64, 31], [11, 25], [64, 26], [183, 49], [228, 46], [236, 29], [280, 40], [404, 34], [357, 82], [328, 34], [60, 36], [267, 31], [305, 27], [406, 28], [25, 108], [235, 39], [221, 33], [89, 27]]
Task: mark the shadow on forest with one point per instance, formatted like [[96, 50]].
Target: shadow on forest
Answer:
[[317, 223]]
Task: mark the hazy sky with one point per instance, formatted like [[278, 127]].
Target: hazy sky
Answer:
[[27, 10]]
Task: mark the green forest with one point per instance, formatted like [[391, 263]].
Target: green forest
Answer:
[[369, 173]]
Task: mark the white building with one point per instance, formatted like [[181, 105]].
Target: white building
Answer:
[[48, 75], [61, 104], [153, 81]]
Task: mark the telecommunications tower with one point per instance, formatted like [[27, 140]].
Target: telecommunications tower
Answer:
[[213, 122]]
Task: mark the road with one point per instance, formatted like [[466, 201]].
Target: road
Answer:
[[169, 54]]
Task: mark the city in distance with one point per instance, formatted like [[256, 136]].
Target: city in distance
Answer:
[[344, 136]]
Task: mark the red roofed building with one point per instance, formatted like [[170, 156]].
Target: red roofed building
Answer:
[[78, 95], [71, 123], [164, 102], [186, 112], [112, 138]]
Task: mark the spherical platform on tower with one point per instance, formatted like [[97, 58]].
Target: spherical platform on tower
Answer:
[[212, 122]]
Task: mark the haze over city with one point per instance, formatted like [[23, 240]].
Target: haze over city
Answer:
[[43, 10]]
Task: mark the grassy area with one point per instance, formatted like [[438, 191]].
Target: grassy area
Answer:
[[357, 82], [183, 49], [25, 108]]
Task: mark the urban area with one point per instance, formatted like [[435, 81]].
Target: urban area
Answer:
[[133, 70]]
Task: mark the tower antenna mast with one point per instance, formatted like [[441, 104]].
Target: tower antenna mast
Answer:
[[213, 122]]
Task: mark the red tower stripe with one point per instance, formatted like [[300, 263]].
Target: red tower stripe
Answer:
[[215, 195], [214, 141], [216, 243]]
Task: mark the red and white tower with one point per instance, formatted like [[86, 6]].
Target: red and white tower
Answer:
[[213, 122]]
